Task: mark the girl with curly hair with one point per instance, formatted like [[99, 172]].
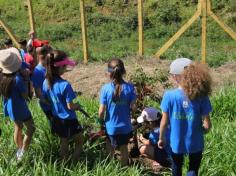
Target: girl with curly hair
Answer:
[[186, 109]]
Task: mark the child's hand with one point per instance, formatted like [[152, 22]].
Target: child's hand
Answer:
[[161, 143], [140, 137], [31, 34]]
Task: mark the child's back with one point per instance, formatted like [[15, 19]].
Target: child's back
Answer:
[[118, 111], [15, 105], [186, 120], [59, 94]]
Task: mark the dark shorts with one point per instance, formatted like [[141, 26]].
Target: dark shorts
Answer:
[[161, 157], [24, 120], [119, 139], [66, 128]]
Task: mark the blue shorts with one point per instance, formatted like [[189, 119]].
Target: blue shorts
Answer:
[[119, 139]]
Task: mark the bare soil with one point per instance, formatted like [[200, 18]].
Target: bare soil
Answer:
[[89, 78]]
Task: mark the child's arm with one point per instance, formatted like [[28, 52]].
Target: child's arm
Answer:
[[76, 107], [206, 123], [144, 141], [163, 126], [38, 92], [101, 112]]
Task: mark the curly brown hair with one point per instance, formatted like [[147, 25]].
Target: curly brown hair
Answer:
[[196, 81]]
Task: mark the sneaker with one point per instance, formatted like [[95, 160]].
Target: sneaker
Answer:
[[19, 154]]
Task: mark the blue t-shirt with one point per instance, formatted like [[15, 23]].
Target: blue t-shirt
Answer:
[[117, 120], [15, 106], [154, 137], [38, 78], [59, 95], [24, 65], [185, 118]]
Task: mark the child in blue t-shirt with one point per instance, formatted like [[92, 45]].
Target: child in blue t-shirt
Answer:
[[59, 93], [186, 109], [14, 93], [151, 118], [117, 99], [38, 78]]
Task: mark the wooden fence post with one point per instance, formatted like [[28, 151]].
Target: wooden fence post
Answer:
[[31, 16], [204, 30], [84, 31], [10, 33], [140, 27]]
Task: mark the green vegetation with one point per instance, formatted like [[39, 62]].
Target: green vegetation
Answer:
[[112, 32], [41, 159], [112, 28]]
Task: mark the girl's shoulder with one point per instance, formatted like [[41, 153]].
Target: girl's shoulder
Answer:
[[62, 84], [173, 91], [129, 84], [107, 86]]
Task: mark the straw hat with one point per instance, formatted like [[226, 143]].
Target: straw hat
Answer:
[[9, 62]]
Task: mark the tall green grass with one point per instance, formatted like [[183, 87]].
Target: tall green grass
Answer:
[[42, 158]]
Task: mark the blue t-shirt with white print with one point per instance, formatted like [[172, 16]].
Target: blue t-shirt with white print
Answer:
[[117, 120], [15, 106], [185, 118], [154, 138], [59, 95], [38, 78]]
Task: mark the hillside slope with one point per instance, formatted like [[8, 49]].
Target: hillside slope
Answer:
[[112, 27]]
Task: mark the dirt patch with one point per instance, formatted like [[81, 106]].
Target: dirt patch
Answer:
[[88, 79]]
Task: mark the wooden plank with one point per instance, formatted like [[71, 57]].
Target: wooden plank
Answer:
[[84, 31], [204, 30], [140, 27], [199, 6], [31, 16], [10, 33], [178, 34], [208, 7], [223, 25]]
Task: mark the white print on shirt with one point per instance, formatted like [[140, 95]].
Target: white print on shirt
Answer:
[[185, 104]]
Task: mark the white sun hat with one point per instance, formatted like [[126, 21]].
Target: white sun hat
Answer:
[[178, 65], [149, 114], [9, 62]]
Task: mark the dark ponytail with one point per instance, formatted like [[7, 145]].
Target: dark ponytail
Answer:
[[53, 72], [117, 71], [6, 83]]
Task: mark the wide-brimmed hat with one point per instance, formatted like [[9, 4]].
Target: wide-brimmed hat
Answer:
[[9, 62], [178, 65], [149, 114]]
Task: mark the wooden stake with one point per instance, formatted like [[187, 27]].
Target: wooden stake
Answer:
[[84, 31], [204, 7], [204, 30], [140, 27], [10, 33], [177, 35], [224, 26], [31, 16]]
